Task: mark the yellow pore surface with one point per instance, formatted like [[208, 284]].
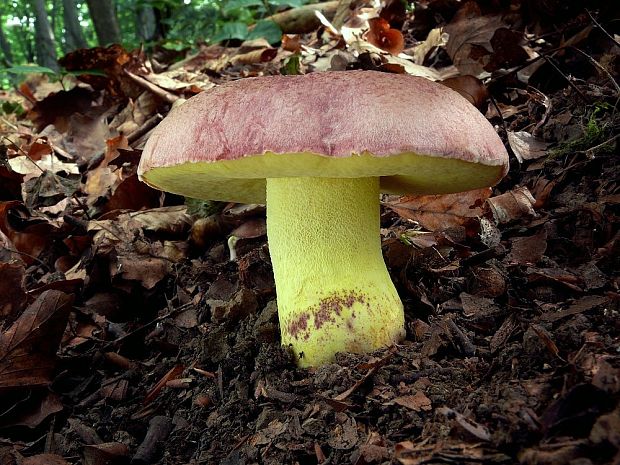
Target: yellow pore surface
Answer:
[[243, 180]]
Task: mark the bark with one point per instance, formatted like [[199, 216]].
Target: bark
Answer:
[[73, 30], [146, 23], [103, 14], [5, 46], [44, 37]]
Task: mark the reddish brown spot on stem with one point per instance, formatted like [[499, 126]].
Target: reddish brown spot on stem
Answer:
[[327, 310]]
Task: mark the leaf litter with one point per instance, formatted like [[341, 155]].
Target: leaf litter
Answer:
[[128, 334]]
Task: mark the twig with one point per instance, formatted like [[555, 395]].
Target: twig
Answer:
[[25, 154], [9, 124], [549, 60], [599, 66], [602, 144], [146, 127], [596, 23], [161, 93], [27, 255]]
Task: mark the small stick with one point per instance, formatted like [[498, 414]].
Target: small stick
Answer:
[[596, 23], [163, 94], [146, 127]]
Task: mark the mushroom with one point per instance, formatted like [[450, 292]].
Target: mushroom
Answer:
[[319, 149]]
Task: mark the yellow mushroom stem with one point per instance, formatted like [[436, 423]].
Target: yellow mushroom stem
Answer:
[[333, 290]]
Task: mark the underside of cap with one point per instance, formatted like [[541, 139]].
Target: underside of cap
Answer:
[[416, 135], [244, 180]]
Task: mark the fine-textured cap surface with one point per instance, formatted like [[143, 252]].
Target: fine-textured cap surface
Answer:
[[418, 136]]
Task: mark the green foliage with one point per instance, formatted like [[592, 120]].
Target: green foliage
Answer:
[[28, 69], [291, 66], [10, 108], [184, 23]]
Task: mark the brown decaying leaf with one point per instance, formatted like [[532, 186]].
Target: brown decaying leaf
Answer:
[[27, 235], [147, 270], [32, 414], [383, 36], [528, 250], [291, 43], [525, 146], [471, 88], [111, 453], [512, 205], [112, 60], [436, 212], [477, 430], [416, 402], [10, 182], [255, 56], [12, 291], [469, 45], [45, 459], [28, 348]]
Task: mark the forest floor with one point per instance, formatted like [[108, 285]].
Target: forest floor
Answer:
[[130, 337]]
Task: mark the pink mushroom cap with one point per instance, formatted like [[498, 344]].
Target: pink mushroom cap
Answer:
[[416, 135]]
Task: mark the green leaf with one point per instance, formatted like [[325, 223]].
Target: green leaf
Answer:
[[82, 72], [232, 5], [231, 30], [266, 29], [28, 69], [291, 66], [9, 107], [291, 3]]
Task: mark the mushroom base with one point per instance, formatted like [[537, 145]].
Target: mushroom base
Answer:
[[333, 289]]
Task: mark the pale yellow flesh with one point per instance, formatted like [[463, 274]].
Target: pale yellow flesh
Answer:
[[334, 292], [243, 180]]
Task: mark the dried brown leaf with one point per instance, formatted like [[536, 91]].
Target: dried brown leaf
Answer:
[[28, 348], [417, 402], [436, 212], [513, 205], [525, 146], [528, 250], [12, 289]]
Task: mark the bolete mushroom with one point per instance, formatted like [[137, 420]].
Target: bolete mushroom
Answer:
[[318, 149]]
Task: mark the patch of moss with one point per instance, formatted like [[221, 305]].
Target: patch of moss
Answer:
[[597, 137]]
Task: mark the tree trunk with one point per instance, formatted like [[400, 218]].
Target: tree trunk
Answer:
[[103, 14], [5, 46], [44, 37], [73, 30], [146, 23]]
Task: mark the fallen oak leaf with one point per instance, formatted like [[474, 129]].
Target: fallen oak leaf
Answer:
[[28, 348], [436, 212]]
